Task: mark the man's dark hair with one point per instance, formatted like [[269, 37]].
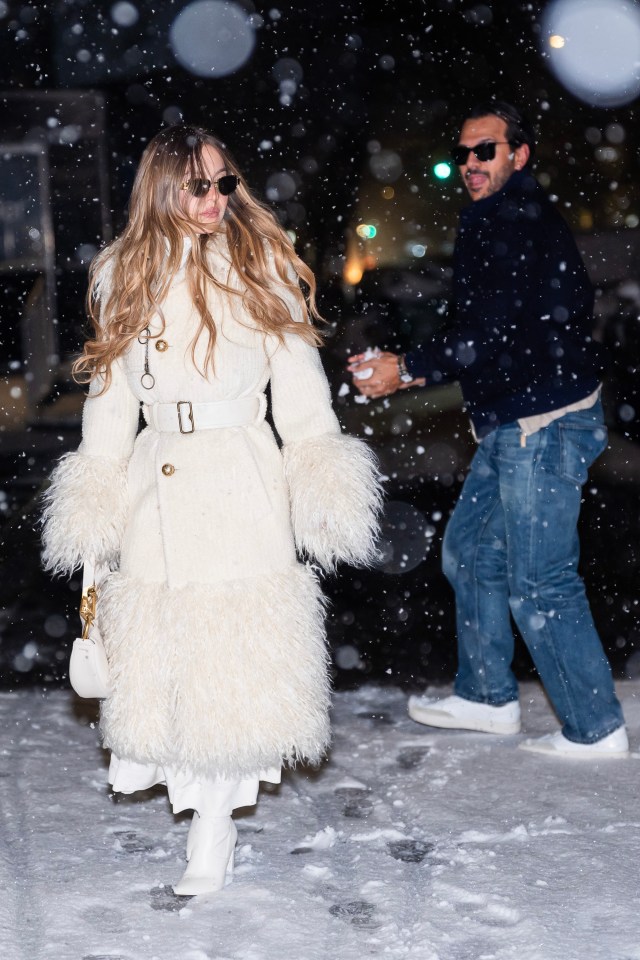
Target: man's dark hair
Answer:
[[519, 130]]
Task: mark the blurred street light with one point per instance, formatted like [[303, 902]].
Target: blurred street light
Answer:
[[442, 170]]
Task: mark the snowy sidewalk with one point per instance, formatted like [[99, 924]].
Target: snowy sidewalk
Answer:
[[408, 843]]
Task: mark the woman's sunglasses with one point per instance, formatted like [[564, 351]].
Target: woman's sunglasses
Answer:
[[199, 187], [482, 151]]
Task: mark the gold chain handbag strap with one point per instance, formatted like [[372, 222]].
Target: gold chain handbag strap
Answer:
[[88, 609]]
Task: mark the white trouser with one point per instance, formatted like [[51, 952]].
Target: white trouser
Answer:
[[217, 798]]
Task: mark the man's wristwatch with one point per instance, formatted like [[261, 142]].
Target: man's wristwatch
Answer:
[[403, 373]]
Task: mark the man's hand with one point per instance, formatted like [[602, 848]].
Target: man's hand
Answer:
[[384, 378]]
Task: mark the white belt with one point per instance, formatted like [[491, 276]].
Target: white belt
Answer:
[[188, 417]]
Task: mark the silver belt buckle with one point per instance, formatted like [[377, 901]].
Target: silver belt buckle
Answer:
[[189, 414]]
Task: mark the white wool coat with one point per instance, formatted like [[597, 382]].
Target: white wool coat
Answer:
[[213, 627]]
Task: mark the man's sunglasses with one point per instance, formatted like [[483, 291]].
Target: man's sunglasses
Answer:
[[483, 151], [198, 187]]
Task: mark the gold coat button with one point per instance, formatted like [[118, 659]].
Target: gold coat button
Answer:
[[168, 469], [162, 345]]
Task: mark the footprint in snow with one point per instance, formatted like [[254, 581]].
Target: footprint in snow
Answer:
[[410, 851], [359, 913], [163, 898], [412, 757], [357, 802], [130, 842]]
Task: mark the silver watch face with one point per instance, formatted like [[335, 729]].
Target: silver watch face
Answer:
[[406, 377]]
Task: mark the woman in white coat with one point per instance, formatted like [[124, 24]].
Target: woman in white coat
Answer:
[[213, 627]]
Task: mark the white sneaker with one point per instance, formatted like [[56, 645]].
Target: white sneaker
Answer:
[[456, 713], [615, 744]]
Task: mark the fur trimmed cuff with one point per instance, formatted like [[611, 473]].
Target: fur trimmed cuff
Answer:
[[85, 508], [336, 498]]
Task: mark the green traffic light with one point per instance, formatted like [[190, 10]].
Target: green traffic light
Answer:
[[442, 170]]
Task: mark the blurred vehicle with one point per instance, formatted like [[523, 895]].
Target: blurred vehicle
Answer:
[[618, 327], [418, 434], [393, 308]]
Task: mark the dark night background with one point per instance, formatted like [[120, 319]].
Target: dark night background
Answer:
[[334, 97]]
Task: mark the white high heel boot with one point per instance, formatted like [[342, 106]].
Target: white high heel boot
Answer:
[[192, 833], [211, 849], [212, 834]]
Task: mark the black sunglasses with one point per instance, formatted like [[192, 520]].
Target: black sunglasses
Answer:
[[483, 151], [199, 187]]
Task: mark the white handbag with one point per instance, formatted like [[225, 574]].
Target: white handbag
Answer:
[[89, 667]]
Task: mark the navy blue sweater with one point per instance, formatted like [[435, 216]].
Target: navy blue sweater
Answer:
[[520, 338]]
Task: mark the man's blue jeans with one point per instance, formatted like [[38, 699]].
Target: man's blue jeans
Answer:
[[511, 547]]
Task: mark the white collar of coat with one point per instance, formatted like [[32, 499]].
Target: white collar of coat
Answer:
[[218, 237], [186, 247]]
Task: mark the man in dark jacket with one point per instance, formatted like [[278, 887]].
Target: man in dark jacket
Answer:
[[520, 345]]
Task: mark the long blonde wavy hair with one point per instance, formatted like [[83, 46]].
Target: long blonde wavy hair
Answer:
[[139, 266]]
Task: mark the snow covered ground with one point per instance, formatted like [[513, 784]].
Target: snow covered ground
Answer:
[[407, 843]]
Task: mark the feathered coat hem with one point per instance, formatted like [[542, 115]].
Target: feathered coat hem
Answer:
[[219, 679]]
